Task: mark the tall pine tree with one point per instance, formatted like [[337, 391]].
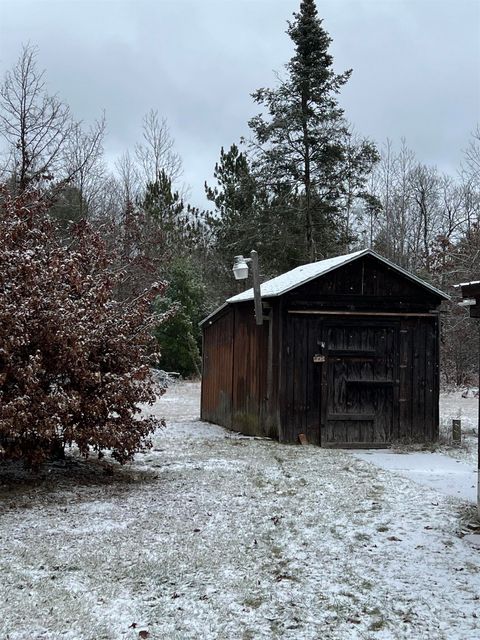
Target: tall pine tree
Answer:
[[302, 146]]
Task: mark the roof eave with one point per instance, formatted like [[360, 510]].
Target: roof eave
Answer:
[[213, 314]]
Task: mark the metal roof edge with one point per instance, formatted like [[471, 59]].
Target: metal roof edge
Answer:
[[466, 284]]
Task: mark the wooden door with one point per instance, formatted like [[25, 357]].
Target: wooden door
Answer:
[[359, 383]]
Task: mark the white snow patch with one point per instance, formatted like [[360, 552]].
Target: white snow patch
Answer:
[[474, 540], [437, 470]]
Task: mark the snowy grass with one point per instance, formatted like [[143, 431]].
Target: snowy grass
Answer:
[[212, 535], [454, 407]]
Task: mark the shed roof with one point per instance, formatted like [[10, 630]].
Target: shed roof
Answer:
[[470, 292], [303, 274], [306, 272]]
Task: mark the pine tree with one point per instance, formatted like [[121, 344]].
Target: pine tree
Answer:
[[237, 206], [179, 336], [304, 141], [249, 215]]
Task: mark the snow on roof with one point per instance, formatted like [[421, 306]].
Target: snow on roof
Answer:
[[303, 274], [306, 272], [466, 284]]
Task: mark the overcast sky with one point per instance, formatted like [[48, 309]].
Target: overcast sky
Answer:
[[416, 67]]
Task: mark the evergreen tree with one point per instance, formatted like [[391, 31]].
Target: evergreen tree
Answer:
[[179, 335], [304, 142], [68, 209], [237, 206], [172, 237]]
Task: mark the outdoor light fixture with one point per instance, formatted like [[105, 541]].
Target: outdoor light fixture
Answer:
[[240, 271], [240, 268]]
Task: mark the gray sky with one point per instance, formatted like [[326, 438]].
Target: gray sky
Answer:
[[416, 67]]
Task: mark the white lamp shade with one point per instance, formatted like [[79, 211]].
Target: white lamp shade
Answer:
[[240, 268]]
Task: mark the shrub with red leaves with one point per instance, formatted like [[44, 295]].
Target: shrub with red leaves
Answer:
[[73, 360]]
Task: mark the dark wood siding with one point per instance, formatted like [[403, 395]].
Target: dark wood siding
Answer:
[[218, 350], [379, 382], [250, 373], [301, 379], [363, 284], [348, 359], [361, 382], [419, 379]]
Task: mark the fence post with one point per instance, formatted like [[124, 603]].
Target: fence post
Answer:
[[457, 431]]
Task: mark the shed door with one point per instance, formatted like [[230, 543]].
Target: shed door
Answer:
[[359, 383]]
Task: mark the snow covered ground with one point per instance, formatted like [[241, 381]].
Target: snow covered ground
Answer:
[[453, 406], [214, 535], [449, 468], [433, 469]]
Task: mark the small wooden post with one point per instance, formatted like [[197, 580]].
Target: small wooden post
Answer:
[[471, 299], [457, 431]]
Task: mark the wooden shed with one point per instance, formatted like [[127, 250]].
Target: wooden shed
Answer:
[[348, 355]]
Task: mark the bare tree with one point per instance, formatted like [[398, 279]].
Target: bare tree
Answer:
[[403, 222], [83, 164], [386, 173], [425, 189], [470, 174], [128, 178], [156, 152], [34, 124]]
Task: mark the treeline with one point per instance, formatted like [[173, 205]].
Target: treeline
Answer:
[[428, 222], [150, 232], [301, 187]]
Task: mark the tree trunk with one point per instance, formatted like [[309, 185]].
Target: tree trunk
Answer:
[[309, 239]]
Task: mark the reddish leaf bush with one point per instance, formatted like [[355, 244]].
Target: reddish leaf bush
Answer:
[[73, 361]]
